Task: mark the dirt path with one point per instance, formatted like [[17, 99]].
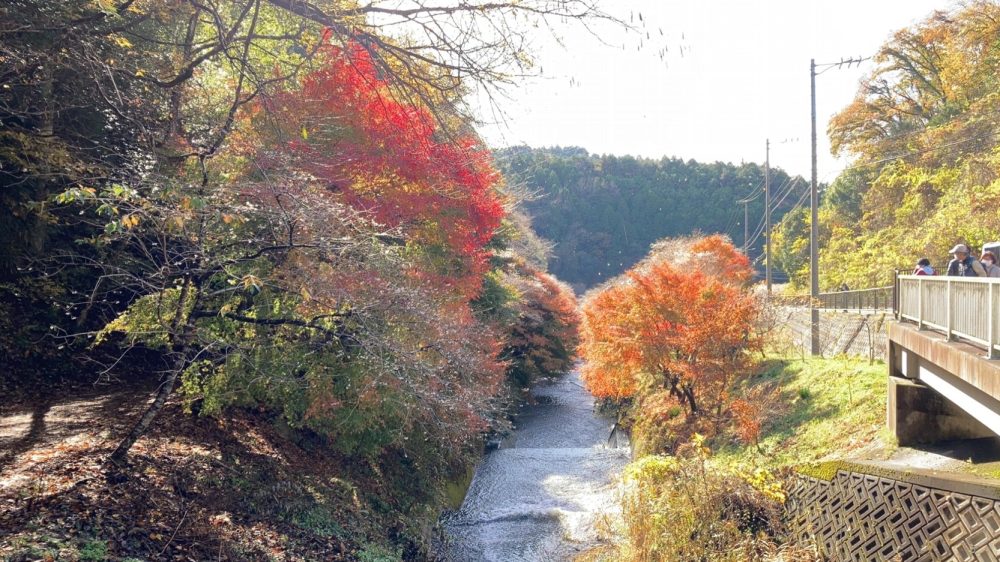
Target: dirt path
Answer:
[[48, 426], [195, 489]]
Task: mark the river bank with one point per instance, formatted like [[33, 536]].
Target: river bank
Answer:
[[722, 497]]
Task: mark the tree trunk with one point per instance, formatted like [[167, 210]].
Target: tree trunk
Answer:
[[118, 456], [689, 395], [46, 127], [181, 330]]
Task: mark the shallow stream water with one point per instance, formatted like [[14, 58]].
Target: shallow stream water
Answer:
[[538, 497]]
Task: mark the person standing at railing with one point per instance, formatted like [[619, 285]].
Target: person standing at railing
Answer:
[[990, 264], [924, 268], [964, 265]]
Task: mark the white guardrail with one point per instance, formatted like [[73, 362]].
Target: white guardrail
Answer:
[[959, 307]]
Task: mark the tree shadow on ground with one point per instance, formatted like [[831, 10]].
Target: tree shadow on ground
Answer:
[[85, 413], [196, 488], [10, 446]]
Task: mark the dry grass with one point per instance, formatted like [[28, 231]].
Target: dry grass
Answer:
[[676, 510]]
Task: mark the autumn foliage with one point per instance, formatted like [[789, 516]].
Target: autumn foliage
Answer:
[[391, 159], [329, 277], [544, 336], [273, 212], [748, 421], [925, 172], [390, 217], [673, 333]]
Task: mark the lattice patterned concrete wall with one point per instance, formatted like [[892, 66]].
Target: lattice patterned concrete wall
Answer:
[[859, 516]]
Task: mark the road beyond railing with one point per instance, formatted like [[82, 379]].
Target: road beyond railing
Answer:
[[959, 307]]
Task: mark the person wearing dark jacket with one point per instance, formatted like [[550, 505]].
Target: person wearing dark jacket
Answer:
[[964, 265]]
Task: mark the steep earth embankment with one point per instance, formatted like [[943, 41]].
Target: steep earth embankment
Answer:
[[197, 489]]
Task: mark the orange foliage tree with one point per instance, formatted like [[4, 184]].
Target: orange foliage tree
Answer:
[[544, 336], [673, 333]]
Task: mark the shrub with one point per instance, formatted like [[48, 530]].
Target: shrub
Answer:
[[680, 508], [96, 550], [376, 553]]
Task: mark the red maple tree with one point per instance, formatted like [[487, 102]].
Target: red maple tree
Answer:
[[392, 159], [544, 336], [680, 325]]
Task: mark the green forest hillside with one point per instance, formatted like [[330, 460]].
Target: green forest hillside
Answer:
[[926, 158], [603, 212]]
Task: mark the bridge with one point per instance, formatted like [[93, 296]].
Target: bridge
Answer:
[[944, 386], [944, 372]]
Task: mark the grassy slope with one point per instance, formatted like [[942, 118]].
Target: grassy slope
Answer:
[[819, 408], [814, 408]]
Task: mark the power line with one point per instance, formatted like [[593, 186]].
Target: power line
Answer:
[[746, 213], [762, 223], [982, 136], [753, 194], [938, 126], [788, 192], [732, 222], [798, 205], [734, 215], [757, 232], [759, 229], [831, 65], [767, 214]]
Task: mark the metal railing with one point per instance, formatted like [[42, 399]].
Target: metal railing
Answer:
[[959, 307], [879, 298]]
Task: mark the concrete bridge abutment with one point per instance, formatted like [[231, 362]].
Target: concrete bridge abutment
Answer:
[[939, 390], [919, 415]]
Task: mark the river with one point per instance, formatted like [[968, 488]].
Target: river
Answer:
[[538, 496]]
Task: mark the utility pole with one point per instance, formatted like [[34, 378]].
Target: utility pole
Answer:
[[813, 226], [814, 205], [767, 213], [746, 228], [746, 221]]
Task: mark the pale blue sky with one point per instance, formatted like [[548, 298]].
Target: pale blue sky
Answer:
[[743, 77]]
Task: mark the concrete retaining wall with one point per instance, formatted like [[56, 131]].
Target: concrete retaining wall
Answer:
[[865, 512]]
